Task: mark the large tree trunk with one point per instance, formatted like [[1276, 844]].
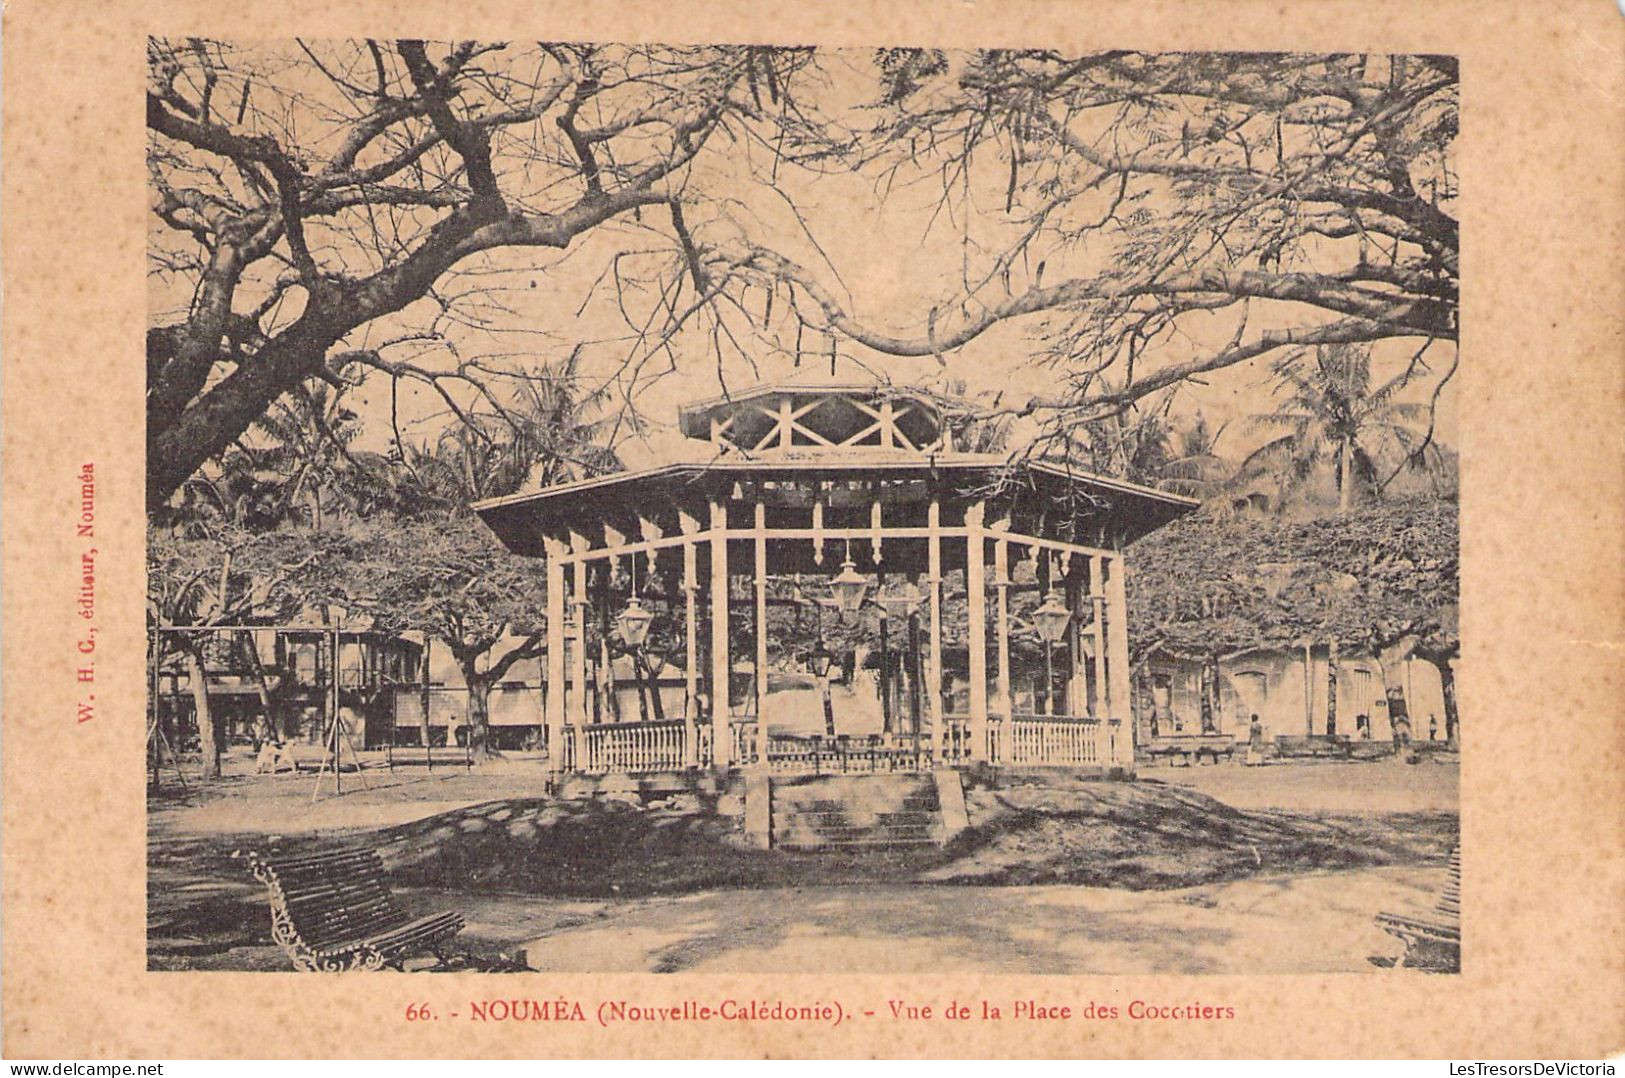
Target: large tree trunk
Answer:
[[1447, 688], [1331, 689], [208, 735], [1393, 660], [1393, 691], [1345, 475], [179, 442], [642, 685], [647, 670], [1452, 721], [1308, 690], [428, 745], [479, 716], [1210, 694], [251, 653]]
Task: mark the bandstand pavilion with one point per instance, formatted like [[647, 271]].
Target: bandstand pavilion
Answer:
[[857, 500]]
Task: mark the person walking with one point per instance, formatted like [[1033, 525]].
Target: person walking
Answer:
[[1255, 742]]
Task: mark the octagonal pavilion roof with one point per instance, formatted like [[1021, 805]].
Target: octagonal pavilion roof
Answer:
[[845, 442]]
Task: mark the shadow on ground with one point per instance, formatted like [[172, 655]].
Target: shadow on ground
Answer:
[[205, 910]]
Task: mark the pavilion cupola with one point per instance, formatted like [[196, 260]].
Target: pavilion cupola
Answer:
[[803, 420]]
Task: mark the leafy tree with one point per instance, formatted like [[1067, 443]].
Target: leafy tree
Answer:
[[200, 580], [302, 193], [1385, 580], [1194, 467], [323, 204], [1299, 199], [452, 579], [555, 430], [296, 466], [1157, 450]]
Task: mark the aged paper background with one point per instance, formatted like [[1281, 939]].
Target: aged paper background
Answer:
[[1543, 494]]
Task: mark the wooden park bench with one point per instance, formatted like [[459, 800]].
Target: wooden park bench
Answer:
[[1436, 939], [1336, 746], [1190, 747], [331, 912]]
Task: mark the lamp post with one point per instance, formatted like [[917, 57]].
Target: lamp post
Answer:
[[1051, 619], [820, 661], [901, 601], [633, 625]]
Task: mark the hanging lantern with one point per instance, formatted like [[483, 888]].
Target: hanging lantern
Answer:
[[902, 600], [634, 623], [820, 660], [1052, 617], [849, 587]]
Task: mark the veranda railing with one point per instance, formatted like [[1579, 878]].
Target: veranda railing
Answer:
[[1022, 739]]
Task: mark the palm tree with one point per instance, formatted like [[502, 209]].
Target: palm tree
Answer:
[[1333, 416], [1159, 451], [301, 467], [1190, 463], [543, 438], [297, 468]]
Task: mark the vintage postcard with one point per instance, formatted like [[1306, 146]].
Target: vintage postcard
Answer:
[[1026, 529]]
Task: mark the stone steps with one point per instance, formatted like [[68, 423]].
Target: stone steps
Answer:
[[856, 812], [907, 804], [854, 819]]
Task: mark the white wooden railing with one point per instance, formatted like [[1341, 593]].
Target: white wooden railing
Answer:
[[634, 746], [1024, 739], [745, 744], [957, 743], [1048, 739]]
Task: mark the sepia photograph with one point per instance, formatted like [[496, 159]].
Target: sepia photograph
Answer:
[[628, 507]]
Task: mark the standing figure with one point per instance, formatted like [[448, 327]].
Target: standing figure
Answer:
[[1255, 742]]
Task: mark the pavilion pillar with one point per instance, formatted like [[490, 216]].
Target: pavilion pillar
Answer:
[[721, 736], [759, 540], [1097, 610], [691, 655], [976, 631], [553, 693], [1077, 673], [578, 661], [1001, 581], [1117, 670], [935, 699]]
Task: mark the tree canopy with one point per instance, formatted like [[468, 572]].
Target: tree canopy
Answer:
[[301, 194], [1207, 585], [325, 209], [1300, 199]]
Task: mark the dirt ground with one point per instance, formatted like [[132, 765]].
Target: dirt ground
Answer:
[[1384, 784], [1316, 923], [1207, 869]]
